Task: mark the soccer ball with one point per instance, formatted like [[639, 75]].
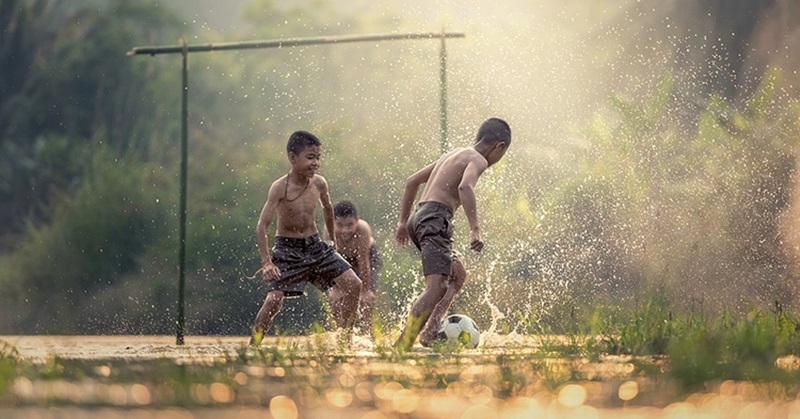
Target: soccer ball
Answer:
[[458, 328]]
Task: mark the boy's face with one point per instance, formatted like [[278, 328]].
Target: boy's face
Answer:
[[306, 163], [497, 152], [346, 226]]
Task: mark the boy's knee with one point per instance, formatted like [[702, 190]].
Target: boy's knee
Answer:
[[458, 274], [275, 296], [457, 267], [349, 283]]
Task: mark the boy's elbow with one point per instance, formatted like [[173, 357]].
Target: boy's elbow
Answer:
[[465, 188], [414, 181]]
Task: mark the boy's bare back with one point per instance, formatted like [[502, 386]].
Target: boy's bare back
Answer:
[[455, 169]]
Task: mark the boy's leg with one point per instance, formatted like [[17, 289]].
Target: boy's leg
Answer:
[[343, 297], [365, 309], [368, 295], [272, 305], [335, 298], [458, 276], [435, 289]]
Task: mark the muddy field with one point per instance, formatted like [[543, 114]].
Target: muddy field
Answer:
[[314, 377]]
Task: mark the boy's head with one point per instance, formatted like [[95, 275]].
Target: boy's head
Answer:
[[494, 136], [304, 150], [299, 140], [345, 209], [346, 218]]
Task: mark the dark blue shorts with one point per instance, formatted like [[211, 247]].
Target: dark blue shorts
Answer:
[[431, 230], [305, 260]]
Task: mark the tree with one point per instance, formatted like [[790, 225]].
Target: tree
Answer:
[[67, 87]]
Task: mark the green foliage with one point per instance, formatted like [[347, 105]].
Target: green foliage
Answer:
[[9, 365], [649, 206], [699, 347], [738, 348], [94, 236], [68, 85], [644, 331]]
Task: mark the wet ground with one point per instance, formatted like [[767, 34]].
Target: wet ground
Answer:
[[314, 377]]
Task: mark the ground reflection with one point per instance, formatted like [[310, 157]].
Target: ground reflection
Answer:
[[310, 378]]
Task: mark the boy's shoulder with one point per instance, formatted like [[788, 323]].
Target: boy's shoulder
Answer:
[[278, 182], [464, 152], [363, 225], [319, 180], [463, 155]]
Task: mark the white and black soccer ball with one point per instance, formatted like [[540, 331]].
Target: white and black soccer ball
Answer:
[[458, 328]]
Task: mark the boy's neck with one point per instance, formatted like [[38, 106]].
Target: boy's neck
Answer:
[[297, 176], [482, 150]]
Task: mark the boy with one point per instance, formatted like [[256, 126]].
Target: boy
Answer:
[[449, 183], [299, 256], [356, 244]]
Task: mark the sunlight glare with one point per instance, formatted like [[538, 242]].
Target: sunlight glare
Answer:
[[572, 395], [282, 407]]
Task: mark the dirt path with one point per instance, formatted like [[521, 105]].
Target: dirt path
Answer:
[[360, 385], [38, 349]]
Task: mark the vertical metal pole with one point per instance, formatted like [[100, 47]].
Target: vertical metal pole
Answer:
[[182, 209], [444, 146]]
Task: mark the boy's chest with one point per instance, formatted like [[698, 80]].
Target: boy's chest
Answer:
[[304, 205], [349, 247]]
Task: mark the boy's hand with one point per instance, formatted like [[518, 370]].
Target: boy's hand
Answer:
[[270, 272], [401, 236], [475, 242]]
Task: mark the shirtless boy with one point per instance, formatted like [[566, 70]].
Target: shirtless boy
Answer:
[[357, 245], [449, 183], [299, 255]]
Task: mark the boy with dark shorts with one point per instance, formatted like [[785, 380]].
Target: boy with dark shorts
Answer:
[[358, 247], [299, 256], [449, 183]]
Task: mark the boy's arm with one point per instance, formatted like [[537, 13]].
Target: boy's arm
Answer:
[[327, 210], [466, 194], [269, 270], [409, 194], [362, 254]]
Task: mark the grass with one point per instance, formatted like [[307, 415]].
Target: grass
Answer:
[[698, 347], [9, 361], [665, 356]]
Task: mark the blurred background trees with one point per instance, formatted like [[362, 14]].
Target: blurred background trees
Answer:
[[654, 152]]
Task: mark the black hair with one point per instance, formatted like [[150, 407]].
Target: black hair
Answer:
[[494, 130], [299, 140], [345, 209]]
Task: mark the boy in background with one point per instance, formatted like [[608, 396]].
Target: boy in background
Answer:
[[355, 242]]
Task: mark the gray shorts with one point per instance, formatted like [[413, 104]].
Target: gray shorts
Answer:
[[305, 260], [431, 230], [375, 266]]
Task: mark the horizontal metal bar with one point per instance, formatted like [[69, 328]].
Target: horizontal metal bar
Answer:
[[285, 43]]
